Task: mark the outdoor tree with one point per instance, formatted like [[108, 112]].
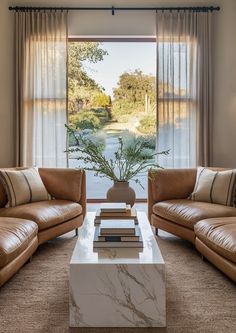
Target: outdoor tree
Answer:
[[133, 86], [101, 100], [80, 85], [134, 95]]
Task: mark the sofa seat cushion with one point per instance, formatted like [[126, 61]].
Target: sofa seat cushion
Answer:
[[45, 213], [187, 212], [15, 236], [219, 234]]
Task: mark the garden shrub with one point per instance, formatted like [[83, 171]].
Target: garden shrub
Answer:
[[147, 124]]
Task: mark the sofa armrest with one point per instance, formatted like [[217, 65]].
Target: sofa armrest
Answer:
[[167, 184], [65, 184]]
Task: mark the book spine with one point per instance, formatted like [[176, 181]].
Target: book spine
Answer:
[[118, 239], [113, 211], [118, 244], [112, 239], [99, 218], [129, 239], [129, 212], [108, 232]]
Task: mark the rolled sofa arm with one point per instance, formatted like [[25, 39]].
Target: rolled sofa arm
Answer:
[[167, 184], [65, 184]]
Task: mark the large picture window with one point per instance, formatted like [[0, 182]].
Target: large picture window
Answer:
[[112, 93]]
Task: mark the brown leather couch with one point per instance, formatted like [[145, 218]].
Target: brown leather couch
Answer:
[[24, 227], [210, 227], [18, 241]]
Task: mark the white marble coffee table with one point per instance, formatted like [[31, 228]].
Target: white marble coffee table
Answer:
[[117, 287]]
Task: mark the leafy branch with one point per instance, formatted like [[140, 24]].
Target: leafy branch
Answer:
[[129, 160]]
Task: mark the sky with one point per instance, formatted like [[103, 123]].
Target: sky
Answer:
[[122, 56]]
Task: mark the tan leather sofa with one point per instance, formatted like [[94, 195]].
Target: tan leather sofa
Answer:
[[210, 227], [23, 228], [18, 241]]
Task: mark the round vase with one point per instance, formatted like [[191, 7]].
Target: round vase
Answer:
[[121, 192]]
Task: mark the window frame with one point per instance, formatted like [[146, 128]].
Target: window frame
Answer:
[[113, 39]]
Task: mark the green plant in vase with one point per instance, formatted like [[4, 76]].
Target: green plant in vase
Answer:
[[131, 159]]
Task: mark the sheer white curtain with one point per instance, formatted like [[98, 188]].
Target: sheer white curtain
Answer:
[[41, 88], [184, 108]]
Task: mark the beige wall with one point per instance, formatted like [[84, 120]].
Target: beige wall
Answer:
[[132, 23], [224, 83], [6, 87]]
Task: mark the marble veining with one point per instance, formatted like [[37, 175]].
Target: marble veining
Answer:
[[117, 287]]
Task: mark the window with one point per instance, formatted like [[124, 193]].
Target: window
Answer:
[[45, 103], [176, 107], [112, 93]]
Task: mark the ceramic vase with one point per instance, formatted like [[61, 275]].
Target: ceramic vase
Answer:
[[121, 192]]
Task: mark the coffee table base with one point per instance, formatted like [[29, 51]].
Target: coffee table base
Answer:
[[121, 295]]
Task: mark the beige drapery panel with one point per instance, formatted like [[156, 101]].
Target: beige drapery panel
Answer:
[[184, 93], [41, 88]]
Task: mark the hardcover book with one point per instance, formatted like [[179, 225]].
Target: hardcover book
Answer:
[[114, 244], [127, 212], [131, 214], [117, 227], [121, 238], [113, 207]]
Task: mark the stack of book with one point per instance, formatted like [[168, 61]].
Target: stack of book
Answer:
[[115, 211], [117, 233]]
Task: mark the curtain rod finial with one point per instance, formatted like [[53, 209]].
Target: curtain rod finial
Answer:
[[214, 8]]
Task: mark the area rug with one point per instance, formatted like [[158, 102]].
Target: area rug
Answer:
[[199, 297]]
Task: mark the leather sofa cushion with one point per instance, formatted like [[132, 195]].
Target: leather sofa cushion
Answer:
[[63, 183], [219, 234], [165, 184], [15, 236], [187, 212], [45, 213]]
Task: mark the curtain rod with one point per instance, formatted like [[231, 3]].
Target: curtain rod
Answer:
[[113, 9]]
